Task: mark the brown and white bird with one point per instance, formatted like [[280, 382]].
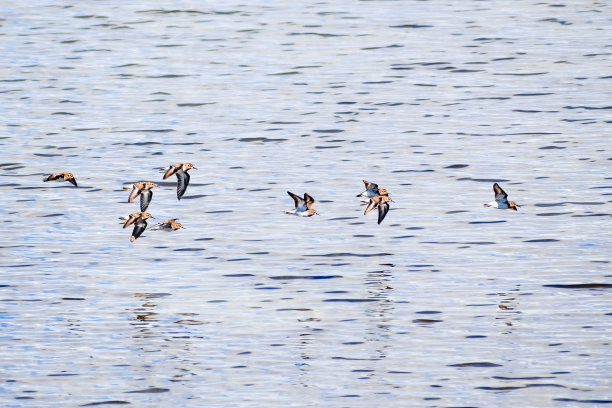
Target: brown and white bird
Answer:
[[381, 201], [501, 200], [61, 177], [180, 169], [139, 219], [142, 189], [302, 205], [168, 225]]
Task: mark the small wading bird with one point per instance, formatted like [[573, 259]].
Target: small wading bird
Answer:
[[302, 205], [61, 177], [142, 189], [382, 202], [139, 219], [370, 191], [180, 169], [168, 225], [501, 200]]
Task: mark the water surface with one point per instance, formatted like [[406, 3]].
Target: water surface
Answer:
[[446, 303]]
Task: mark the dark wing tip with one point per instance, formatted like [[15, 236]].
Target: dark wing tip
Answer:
[[129, 221], [308, 198], [169, 172], [383, 209], [499, 191], [295, 197]]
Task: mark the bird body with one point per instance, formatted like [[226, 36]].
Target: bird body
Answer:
[[142, 189], [501, 200], [180, 169], [61, 177], [302, 205], [168, 225], [381, 202], [139, 219]]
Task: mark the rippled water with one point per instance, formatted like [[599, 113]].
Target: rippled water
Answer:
[[446, 303]]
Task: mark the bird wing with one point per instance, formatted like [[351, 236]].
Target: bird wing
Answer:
[[156, 226], [170, 171], [499, 192], [297, 199], [52, 177], [145, 199], [371, 205], [309, 200], [129, 221], [372, 187], [139, 228], [134, 193], [72, 180], [383, 209], [183, 181]]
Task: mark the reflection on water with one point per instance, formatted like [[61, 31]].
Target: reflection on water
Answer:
[[445, 303]]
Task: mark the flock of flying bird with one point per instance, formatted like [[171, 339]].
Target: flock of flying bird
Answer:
[[143, 189], [378, 198]]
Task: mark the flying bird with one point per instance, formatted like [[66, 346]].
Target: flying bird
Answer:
[[381, 202], [501, 200], [168, 225], [180, 169], [139, 219], [302, 205], [142, 189], [61, 177], [370, 191]]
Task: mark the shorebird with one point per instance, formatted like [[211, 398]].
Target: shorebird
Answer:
[[61, 177], [168, 225], [302, 205], [142, 188], [180, 169], [139, 219], [382, 202], [501, 200], [370, 191]]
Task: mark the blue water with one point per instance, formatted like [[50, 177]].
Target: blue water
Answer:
[[445, 303]]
